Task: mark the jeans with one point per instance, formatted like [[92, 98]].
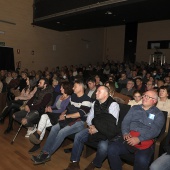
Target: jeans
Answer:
[[78, 145], [162, 163], [117, 148], [57, 135]]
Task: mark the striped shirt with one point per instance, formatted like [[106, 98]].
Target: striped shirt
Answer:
[[83, 104]]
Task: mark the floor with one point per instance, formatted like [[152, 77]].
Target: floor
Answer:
[[15, 156]]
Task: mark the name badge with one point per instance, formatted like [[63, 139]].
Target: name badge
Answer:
[[151, 116]]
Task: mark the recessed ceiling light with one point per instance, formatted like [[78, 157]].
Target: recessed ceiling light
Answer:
[[108, 13], [58, 22]]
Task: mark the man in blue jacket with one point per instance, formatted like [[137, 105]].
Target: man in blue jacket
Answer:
[[140, 126]]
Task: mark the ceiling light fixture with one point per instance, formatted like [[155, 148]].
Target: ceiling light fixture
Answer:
[[108, 13]]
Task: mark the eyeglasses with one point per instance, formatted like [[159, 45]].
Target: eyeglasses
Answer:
[[148, 97]]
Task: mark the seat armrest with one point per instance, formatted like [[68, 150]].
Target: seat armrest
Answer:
[[158, 143]]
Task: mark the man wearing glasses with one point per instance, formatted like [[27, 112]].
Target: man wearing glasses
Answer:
[[140, 126]]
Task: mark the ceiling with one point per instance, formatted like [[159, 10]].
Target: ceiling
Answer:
[[96, 15]]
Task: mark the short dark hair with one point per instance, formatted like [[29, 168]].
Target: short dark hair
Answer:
[[138, 78], [24, 72], [79, 81], [131, 80], [161, 80], [68, 88], [165, 88], [92, 79], [137, 91], [46, 81]]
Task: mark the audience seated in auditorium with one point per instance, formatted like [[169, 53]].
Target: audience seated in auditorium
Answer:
[[71, 121], [35, 107], [51, 115], [103, 115], [15, 105], [142, 69]]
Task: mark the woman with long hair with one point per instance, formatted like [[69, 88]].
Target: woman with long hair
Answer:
[[14, 105]]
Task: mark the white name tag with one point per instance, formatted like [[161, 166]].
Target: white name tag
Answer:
[[151, 116]]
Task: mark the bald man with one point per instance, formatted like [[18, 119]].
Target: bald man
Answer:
[[105, 109], [140, 126]]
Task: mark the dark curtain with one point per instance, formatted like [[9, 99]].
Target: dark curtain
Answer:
[[130, 42], [6, 58]]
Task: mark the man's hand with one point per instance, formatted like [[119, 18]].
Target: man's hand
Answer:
[[126, 136], [62, 117], [24, 121], [16, 98], [92, 130], [133, 141], [48, 109], [27, 109]]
